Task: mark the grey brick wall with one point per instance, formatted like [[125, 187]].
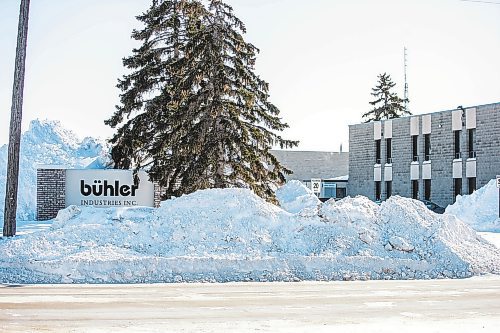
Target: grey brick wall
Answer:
[[487, 143], [313, 164], [401, 158], [158, 192], [361, 161], [50, 192], [487, 147], [442, 155]]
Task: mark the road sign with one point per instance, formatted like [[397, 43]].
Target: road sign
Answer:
[[316, 186], [498, 181]]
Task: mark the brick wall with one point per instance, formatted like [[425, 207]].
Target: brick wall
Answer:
[[401, 158], [442, 155], [50, 193], [158, 192], [361, 161], [487, 143]]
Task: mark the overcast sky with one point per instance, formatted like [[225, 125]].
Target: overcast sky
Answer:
[[320, 57]]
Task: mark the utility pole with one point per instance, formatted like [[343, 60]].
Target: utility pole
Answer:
[[405, 96], [9, 223]]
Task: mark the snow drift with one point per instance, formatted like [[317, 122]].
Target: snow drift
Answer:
[[297, 199], [233, 235], [479, 209], [47, 142]]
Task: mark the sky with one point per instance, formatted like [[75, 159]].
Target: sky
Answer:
[[321, 59]]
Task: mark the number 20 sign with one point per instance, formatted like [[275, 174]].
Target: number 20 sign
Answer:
[[316, 185]]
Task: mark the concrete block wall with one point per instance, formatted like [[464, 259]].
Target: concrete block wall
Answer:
[[401, 157], [487, 143], [158, 193], [442, 154], [361, 161], [383, 159], [50, 192]]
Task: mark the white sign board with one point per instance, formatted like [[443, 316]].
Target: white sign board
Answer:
[[498, 181], [316, 186], [108, 188]]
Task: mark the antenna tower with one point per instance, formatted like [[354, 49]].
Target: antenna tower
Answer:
[[406, 83]]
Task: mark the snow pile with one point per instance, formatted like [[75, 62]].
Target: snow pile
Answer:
[[296, 198], [233, 235], [47, 143], [479, 209]]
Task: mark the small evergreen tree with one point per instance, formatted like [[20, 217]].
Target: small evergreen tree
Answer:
[[197, 115], [387, 104]]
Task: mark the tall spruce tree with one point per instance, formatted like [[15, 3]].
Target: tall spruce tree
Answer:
[[387, 104], [193, 112]]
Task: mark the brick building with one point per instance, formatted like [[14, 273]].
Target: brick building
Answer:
[[433, 156]]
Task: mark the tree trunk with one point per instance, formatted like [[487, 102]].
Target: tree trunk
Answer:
[[9, 225]]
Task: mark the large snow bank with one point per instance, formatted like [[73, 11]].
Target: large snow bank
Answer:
[[479, 209], [233, 235], [47, 143], [295, 198]]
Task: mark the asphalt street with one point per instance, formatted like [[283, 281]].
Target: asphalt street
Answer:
[[469, 305]]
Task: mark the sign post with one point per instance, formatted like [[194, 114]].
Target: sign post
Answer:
[[498, 186], [316, 186]]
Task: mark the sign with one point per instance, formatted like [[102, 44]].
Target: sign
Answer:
[[498, 181], [316, 186], [108, 188]]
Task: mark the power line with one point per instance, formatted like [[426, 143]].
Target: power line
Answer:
[[481, 1]]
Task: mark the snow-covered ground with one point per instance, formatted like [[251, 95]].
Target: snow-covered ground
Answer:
[[231, 234], [492, 237], [479, 209]]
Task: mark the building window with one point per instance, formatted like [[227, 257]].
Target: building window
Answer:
[[377, 152], [414, 189], [388, 189], [456, 135], [377, 190], [457, 186], [427, 147], [470, 142], [414, 140], [388, 145], [341, 192], [427, 189], [329, 190], [472, 184]]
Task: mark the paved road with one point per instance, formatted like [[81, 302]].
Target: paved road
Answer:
[[471, 305]]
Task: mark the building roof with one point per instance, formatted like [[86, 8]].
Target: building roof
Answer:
[[313, 164], [427, 113]]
